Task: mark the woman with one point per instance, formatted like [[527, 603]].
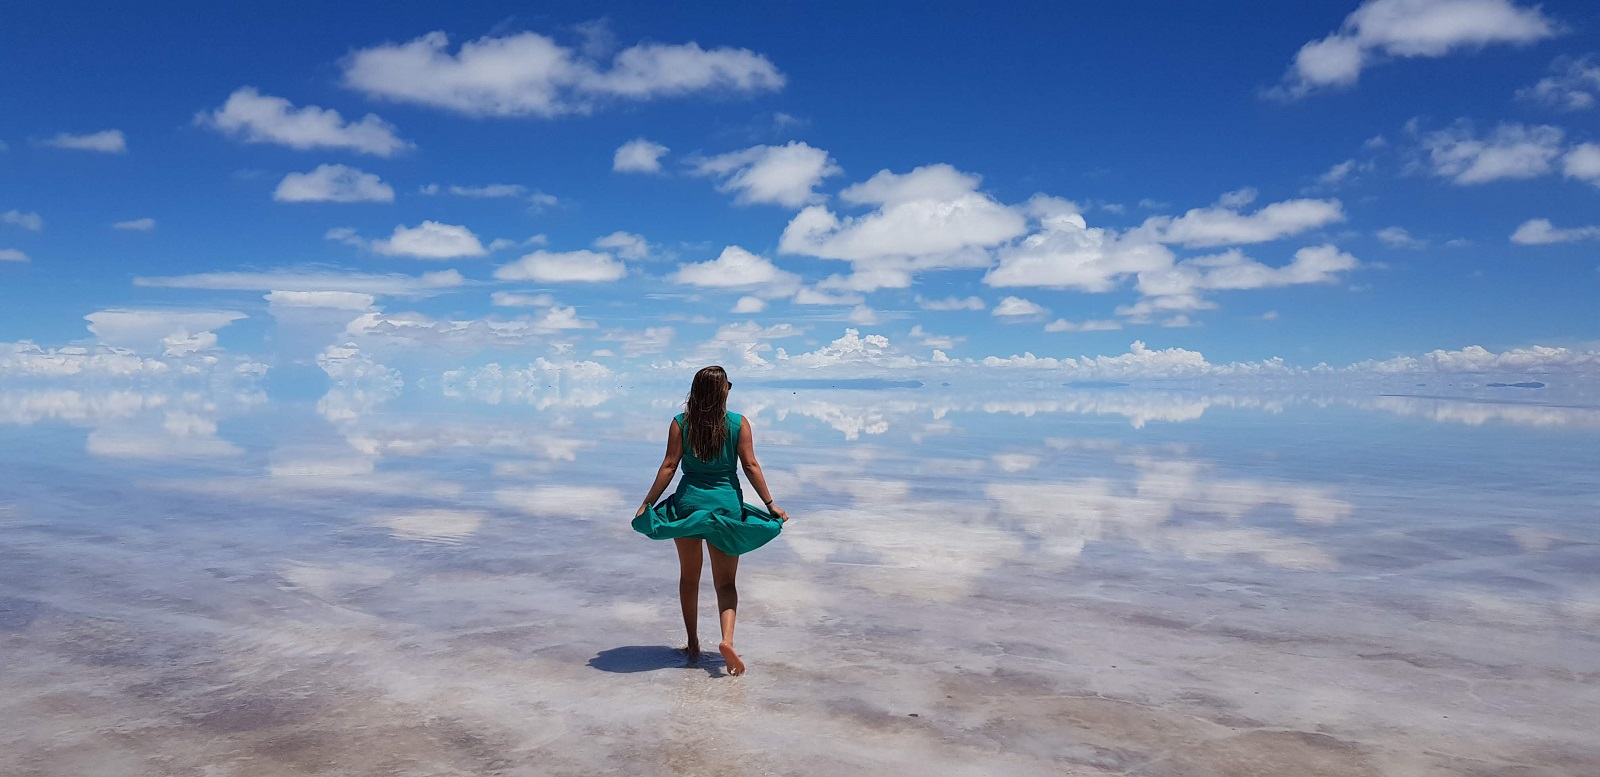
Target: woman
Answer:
[[709, 503]]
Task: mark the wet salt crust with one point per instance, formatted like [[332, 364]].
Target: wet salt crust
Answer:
[[1073, 581]]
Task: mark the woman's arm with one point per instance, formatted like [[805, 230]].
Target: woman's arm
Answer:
[[669, 467], [752, 468]]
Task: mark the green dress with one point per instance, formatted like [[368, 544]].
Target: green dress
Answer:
[[709, 503]]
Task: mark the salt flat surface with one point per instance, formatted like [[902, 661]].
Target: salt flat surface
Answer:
[[1019, 582]]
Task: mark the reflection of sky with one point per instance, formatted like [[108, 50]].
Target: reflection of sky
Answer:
[[440, 549]]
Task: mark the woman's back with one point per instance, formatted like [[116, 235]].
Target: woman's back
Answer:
[[727, 458]]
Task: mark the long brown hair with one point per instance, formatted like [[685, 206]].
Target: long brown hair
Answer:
[[706, 413]]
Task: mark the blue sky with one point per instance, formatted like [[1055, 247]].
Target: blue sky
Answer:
[[1316, 182]]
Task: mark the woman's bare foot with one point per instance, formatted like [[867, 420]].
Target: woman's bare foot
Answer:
[[735, 665], [691, 651]]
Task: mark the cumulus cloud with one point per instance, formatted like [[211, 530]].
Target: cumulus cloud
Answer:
[[528, 74], [1098, 325], [736, 268], [1475, 359], [810, 295], [951, 303], [749, 305], [172, 332], [1179, 288], [1017, 307], [638, 156], [1065, 253], [1574, 86], [411, 328], [333, 183], [563, 267], [742, 343], [430, 240], [253, 117], [32, 222], [334, 300], [506, 299], [136, 225], [1398, 237], [28, 360], [850, 350], [1224, 224], [651, 339], [1511, 151], [785, 175], [626, 245], [1409, 28], [486, 191], [931, 218], [1583, 163], [1541, 232], [106, 141], [12, 255], [312, 281]]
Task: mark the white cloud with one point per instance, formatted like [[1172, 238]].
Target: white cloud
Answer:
[[850, 350], [736, 267], [951, 303], [506, 299], [312, 281], [557, 267], [1541, 232], [25, 359], [1476, 359], [1233, 270], [563, 502], [1013, 307], [741, 343], [1398, 237], [336, 300], [136, 225], [930, 340], [782, 175], [625, 245], [1063, 325], [1409, 28], [652, 339], [487, 191], [12, 255], [809, 295], [1511, 151], [333, 183], [1342, 172], [930, 218], [174, 332], [1574, 87], [431, 240], [638, 156], [1583, 163], [862, 315], [411, 328], [528, 74], [105, 141], [1223, 224], [1066, 253], [29, 221], [257, 118], [749, 305]]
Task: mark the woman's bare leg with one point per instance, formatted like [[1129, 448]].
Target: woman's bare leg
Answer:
[[690, 561], [723, 569]]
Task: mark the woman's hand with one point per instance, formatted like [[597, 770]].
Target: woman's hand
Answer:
[[781, 513], [640, 511]]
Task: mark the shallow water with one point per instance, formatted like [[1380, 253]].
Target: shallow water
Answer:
[[1019, 582]]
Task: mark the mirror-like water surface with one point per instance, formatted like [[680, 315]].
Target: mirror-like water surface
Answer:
[[1066, 580]]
